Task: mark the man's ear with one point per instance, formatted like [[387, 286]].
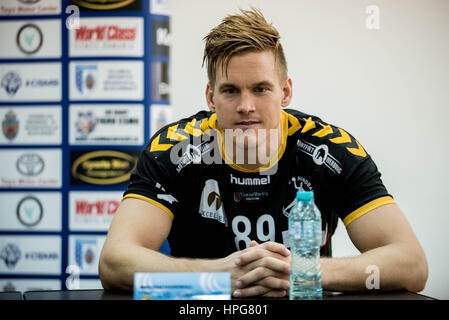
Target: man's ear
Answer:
[[210, 97], [287, 90]]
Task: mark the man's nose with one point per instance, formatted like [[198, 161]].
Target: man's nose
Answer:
[[246, 104]]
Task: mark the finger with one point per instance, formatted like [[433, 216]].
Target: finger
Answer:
[[250, 292], [253, 243], [265, 276], [274, 283], [252, 254], [276, 294], [263, 258], [276, 248]]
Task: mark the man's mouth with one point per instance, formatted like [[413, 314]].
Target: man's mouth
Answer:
[[247, 124]]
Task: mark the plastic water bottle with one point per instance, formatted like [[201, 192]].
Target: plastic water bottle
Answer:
[[304, 229]]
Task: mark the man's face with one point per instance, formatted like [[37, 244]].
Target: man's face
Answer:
[[250, 96]]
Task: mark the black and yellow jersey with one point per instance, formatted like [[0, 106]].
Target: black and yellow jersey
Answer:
[[218, 207]]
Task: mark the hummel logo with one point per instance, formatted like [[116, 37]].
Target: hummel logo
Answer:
[[250, 181]]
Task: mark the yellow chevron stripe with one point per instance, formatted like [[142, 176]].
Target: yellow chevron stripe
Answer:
[[173, 135], [204, 125], [323, 132], [359, 151], [310, 124], [295, 125], [190, 129], [156, 146], [343, 139]]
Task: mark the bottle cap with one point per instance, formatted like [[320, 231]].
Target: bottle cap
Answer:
[[304, 195]]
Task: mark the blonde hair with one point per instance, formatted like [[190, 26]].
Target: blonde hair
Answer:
[[241, 33]]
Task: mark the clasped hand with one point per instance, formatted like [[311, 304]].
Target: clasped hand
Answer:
[[261, 270]]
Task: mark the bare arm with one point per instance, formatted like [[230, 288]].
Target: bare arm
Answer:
[[387, 242], [136, 233]]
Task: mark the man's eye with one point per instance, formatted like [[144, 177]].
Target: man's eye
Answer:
[[261, 90], [230, 91]]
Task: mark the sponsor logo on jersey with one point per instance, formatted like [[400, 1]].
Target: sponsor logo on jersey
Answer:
[[249, 196], [102, 167], [192, 154], [320, 155], [300, 184], [250, 181], [165, 196], [211, 206]]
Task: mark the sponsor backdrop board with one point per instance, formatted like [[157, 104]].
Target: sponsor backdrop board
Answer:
[[83, 86]]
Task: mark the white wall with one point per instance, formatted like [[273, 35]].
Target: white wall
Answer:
[[388, 87]]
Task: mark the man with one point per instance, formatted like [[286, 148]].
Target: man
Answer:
[[219, 184]]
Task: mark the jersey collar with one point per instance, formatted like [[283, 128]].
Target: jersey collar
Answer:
[[284, 134]]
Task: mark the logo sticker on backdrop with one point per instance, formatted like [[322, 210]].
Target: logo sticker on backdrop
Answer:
[[107, 37], [104, 167], [84, 251], [31, 82], [106, 124], [31, 125], [106, 80], [30, 7], [92, 210], [101, 5], [31, 211], [30, 39], [10, 125], [30, 254], [30, 164], [31, 168], [11, 82]]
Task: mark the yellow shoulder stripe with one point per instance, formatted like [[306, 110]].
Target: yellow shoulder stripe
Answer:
[[367, 208], [359, 151], [294, 124], [156, 146], [310, 124], [323, 132], [344, 138], [157, 204]]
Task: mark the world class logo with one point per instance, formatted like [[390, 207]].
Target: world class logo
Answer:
[[103, 167]]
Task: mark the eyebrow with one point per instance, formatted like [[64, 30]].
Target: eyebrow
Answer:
[[263, 83]]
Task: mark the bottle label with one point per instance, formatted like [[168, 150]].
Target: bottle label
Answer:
[[304, 229]]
